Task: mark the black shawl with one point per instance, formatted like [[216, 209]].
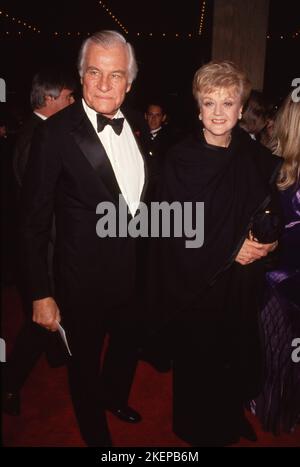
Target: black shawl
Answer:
[[233, 183]]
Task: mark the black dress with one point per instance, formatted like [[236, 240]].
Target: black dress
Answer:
[[209, 301]]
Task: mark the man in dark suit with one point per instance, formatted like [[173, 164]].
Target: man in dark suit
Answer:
[[157, 139], [83, 156], [158, 133], [51, 91]]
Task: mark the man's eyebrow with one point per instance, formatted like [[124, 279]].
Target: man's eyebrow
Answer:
[[123, 72], [92, 67]]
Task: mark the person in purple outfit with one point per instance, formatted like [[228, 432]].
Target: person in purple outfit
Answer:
[[278, 406]]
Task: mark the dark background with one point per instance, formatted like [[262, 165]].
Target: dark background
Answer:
[[166, 63]]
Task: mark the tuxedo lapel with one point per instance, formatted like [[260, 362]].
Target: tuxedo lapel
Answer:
[[92, 148], [90, 145]]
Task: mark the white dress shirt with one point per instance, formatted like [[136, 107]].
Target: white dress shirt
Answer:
[[125, 158], [154, 133]]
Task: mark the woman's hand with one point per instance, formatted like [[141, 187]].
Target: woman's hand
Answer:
[[252, 250]]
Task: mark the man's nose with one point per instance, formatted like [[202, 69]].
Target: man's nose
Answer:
[[104, 83]]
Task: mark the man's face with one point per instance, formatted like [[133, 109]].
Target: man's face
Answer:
[[105, 78], [155, 117]]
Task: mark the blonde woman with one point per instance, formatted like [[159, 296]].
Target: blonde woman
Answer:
[[211, 293], [278, 407]]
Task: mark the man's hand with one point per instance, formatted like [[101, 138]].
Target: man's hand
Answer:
[[252, 250], [46, 313]]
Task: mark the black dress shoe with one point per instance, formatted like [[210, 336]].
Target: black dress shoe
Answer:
[[247, 431], [11, 403], [126, 414]]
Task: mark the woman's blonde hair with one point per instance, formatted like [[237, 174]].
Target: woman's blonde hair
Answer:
[[286, 141], [221, 74]]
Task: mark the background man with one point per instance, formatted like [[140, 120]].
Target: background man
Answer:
[[51, 91]]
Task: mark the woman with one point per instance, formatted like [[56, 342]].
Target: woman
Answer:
[[210, 295], [278, 406]]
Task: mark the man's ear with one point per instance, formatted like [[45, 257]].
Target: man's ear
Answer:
[[128, 87], [164, 118], [48, 99]]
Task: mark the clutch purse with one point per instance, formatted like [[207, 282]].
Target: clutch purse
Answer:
[[266, 226]]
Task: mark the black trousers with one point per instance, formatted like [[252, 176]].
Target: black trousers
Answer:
[[32, 341], [99, 376]]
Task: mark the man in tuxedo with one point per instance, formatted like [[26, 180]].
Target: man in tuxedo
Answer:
[[156, 141], [158, 135], [83, 156]]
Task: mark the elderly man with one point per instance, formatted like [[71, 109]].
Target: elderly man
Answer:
[[83, 156]]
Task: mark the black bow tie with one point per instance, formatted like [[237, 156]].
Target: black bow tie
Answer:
[[115, 123]]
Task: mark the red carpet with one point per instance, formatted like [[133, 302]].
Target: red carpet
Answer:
[[47, 417]]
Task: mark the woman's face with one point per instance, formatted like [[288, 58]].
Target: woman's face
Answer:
[[219, 111]]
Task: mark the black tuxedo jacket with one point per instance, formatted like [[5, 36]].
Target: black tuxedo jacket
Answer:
[[68, 174], [22, 147]]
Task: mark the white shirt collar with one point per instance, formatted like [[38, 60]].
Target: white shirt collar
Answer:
[[155, 131], [43, 117]]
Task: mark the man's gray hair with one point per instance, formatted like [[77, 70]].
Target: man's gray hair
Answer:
[[49, 81], [108, 39]]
